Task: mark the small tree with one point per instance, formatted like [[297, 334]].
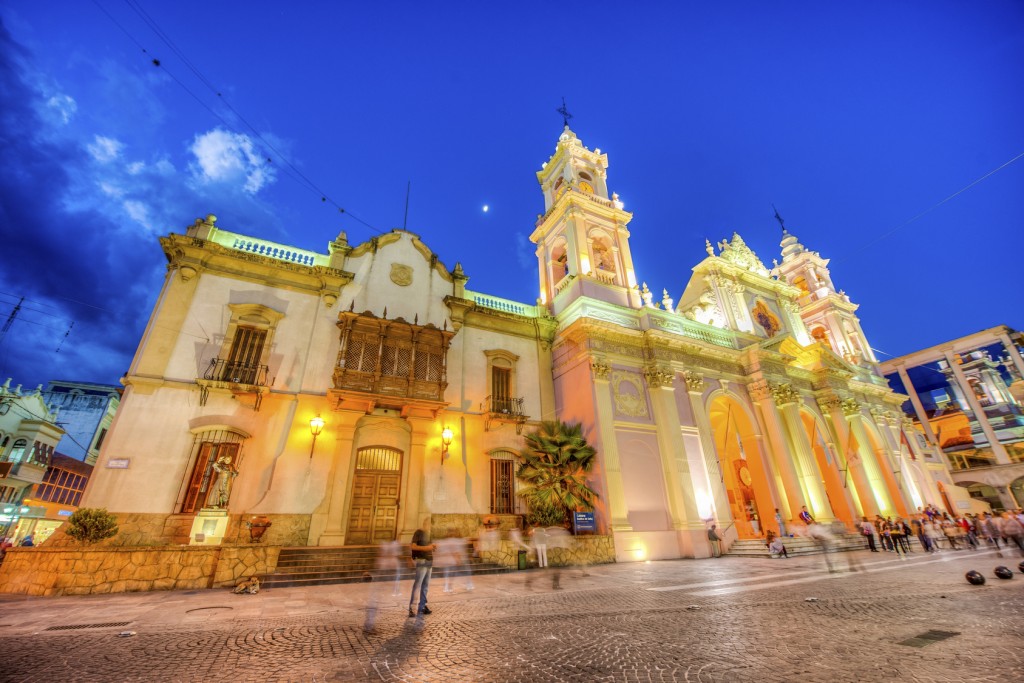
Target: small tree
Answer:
[[90, 525], [554, 470]]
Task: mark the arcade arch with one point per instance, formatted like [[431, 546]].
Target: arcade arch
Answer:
[[746, 480]]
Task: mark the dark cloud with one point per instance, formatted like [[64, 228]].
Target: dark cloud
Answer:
[[70, 264]]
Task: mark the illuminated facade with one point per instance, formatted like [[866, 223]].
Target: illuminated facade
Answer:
[[314, 388], [28, 435], [966, 397]]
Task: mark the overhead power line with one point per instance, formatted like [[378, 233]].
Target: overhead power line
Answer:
[[929, 209], [289, 169]]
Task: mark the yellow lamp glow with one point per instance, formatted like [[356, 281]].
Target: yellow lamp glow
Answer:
[[446, 440], [316, 425]]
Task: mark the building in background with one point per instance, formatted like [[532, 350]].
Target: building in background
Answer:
[[86, 412], [343, 395], [966, 398], [29, 433], [52, 501]]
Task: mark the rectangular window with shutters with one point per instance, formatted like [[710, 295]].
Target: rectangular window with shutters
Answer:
[[202, 473], [501, 384], [246, 354]]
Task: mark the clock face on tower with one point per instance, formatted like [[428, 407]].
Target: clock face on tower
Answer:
[[745, 476], [586, 187]]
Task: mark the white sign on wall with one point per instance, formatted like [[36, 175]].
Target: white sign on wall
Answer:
[[118, 463]]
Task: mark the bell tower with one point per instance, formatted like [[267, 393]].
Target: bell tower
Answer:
[[582, 240], [827, 313]]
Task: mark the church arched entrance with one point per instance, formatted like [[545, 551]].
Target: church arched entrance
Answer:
[[743, 472]]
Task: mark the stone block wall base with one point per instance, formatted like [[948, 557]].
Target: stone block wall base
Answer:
[[66, 571]]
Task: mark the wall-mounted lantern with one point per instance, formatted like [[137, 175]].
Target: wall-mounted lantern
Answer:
[[446, 440], [316, 425]]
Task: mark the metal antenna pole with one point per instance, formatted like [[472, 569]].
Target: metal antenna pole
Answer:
[[405, 220]]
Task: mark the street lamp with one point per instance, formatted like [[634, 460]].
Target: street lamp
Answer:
[[316, 425], [446, 441]]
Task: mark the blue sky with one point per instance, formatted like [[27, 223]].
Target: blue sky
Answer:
[[851, 118]]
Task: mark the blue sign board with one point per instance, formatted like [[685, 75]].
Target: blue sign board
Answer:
[[584, 521]]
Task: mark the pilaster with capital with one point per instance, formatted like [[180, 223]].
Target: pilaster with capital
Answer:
[[850, 461], [808, 469], [852, 411], [761, 392], [674, 464], [609, 448]]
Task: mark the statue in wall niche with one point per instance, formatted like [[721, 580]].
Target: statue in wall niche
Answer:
[[221, 489]]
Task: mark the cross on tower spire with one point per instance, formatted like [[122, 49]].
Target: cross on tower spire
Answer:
[[779, 219], [565, 114]]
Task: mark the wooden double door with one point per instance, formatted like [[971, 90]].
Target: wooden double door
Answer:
[[373, 514]]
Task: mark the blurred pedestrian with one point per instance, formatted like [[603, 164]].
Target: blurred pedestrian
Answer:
[[423, 557], [779, 521], [805, 516], [868, 529], [716, 541], [540, 544]]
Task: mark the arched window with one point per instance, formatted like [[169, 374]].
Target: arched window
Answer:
[[17, 453]]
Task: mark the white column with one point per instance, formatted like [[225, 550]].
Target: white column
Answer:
[[1002, 458], [1011, 348]]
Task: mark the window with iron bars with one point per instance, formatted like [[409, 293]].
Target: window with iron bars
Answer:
[[208, 446], [503, 484]]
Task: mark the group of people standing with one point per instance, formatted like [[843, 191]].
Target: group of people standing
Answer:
[[935, 530], [452, 553]]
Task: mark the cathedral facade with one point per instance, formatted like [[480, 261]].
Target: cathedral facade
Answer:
[[341, 396]]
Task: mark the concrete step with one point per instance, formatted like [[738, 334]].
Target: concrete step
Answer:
[[801, 545], [305, 566], [339, 577]]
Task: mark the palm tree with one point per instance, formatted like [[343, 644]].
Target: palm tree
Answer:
[[554, 468]]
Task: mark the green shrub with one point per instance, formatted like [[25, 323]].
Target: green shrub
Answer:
[[90, 525], [546, 515]]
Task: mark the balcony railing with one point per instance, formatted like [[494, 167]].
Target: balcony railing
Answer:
[[512, 407], [221, 370], [238, 377], [504, 409]]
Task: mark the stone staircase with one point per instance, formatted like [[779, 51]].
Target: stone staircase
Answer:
[[800, 545], [311, 566]]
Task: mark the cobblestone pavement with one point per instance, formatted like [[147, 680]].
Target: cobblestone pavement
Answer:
[[728, 619]]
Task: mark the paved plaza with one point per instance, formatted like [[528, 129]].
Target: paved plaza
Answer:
[[727, 619]]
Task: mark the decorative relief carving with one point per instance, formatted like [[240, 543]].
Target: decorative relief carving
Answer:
[[600, 368], [401, 275], [784, 394], [658, 377], [628, 393], [827, 403], [694, 382], [759, 390], [789, 305], [850, 406]]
